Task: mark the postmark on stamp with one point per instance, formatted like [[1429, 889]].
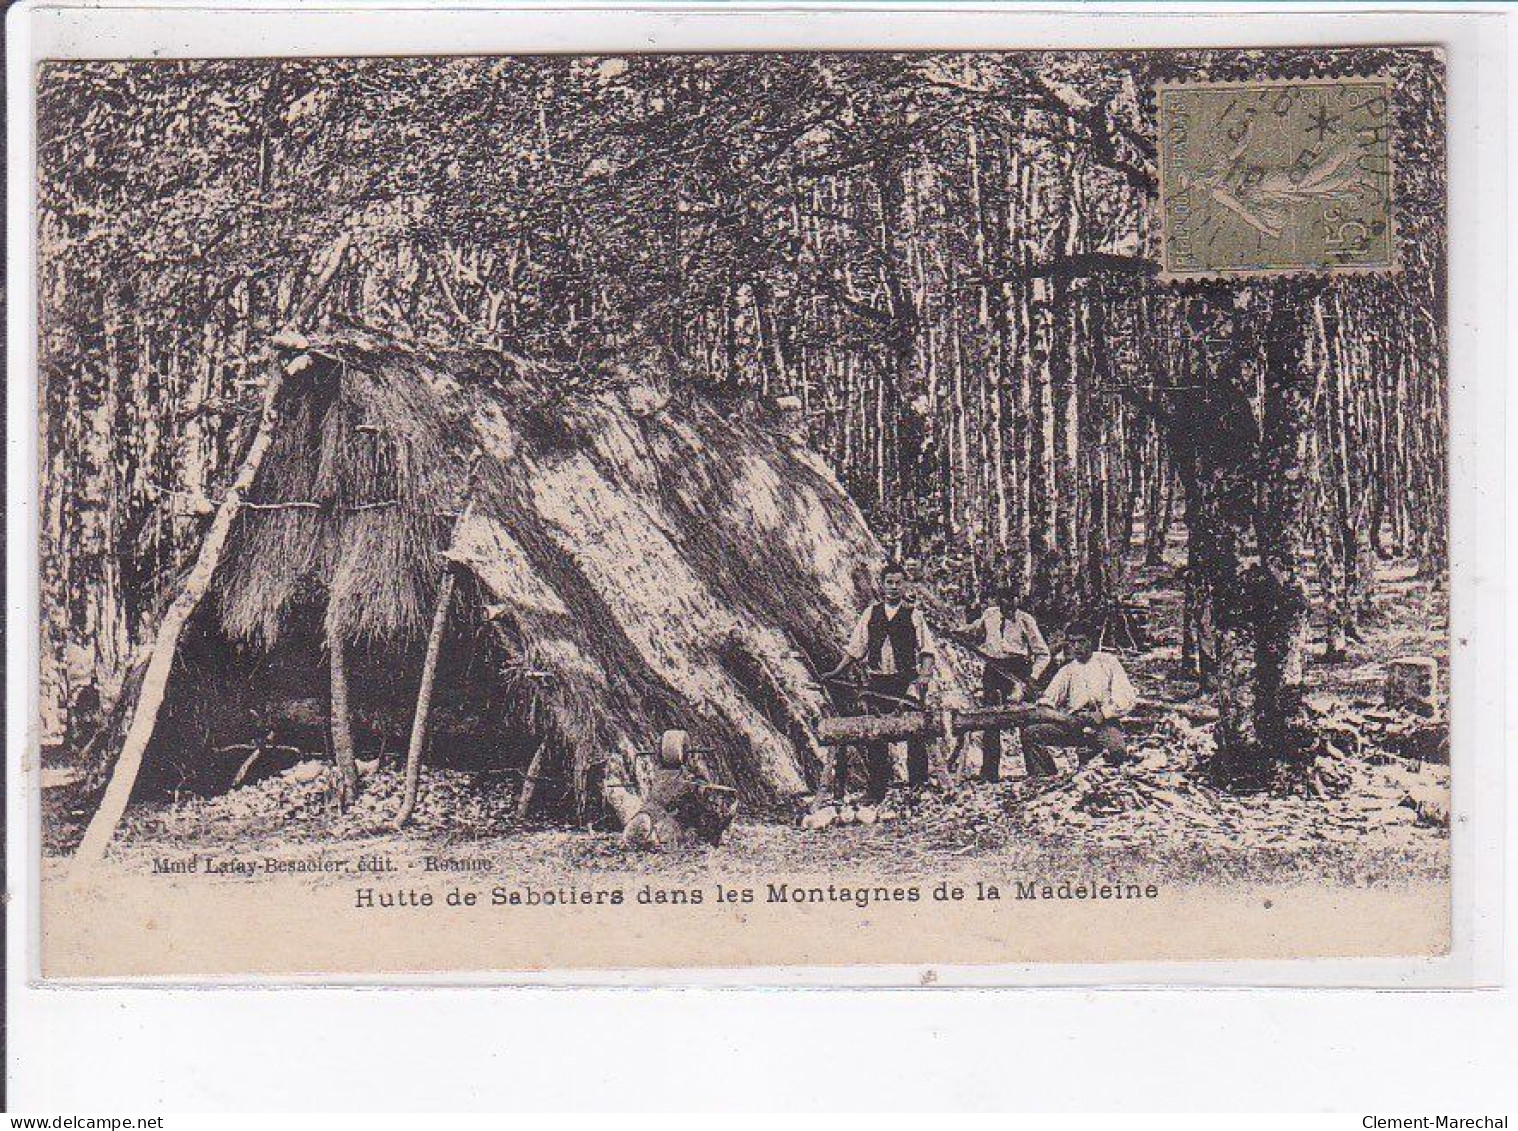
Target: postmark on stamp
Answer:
[[1278, 176]]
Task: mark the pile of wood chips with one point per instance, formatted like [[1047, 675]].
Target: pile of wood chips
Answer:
[[1164, 793], [1164, 796]]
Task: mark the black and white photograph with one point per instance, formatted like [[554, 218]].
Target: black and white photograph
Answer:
[[541, 512]]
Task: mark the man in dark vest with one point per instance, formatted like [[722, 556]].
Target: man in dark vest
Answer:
[[893, 643]]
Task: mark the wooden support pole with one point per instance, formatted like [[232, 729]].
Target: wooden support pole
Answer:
[[118, 791], [429, 664], [530, 783], [424, 699], [342, 724]]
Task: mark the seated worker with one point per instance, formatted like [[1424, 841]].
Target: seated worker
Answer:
[[1085, 700], [1015, 655], [681, 805], [892, 640]]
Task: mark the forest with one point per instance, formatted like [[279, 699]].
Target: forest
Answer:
[[945, 265]]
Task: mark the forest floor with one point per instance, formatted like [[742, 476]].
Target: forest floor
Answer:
[[1381, 819]]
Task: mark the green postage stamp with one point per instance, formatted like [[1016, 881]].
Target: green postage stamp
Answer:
[[1276, 176]]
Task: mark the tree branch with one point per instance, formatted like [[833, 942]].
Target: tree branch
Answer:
[[834, 289], [1081, 265], [1105, 131]]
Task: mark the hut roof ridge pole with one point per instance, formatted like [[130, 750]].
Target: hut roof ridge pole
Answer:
[[102, 826]]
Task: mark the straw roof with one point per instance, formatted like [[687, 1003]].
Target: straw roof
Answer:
[[653, 557]]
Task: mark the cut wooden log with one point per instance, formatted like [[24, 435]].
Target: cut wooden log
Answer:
[[1412, 683], [1191, 712], [926, 724], [672, 747], [165, 645]]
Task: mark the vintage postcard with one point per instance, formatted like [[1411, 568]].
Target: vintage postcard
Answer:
[[547, 513]]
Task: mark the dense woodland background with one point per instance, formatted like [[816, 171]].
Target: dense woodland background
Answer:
[[948, 260]]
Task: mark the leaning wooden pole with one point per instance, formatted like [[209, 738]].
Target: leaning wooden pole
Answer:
[[424, 699], [530, 783], [429, 664], [165, 645]]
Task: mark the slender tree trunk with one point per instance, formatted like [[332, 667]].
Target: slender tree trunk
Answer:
[[1066, 450], [1198, 643], [1330, 586], [1157, 505], [1167, 508], [1102, 554], [990, 320], [1040, 533], [1128, 523]]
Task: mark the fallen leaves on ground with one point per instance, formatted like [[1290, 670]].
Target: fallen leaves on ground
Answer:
[[302, 802]]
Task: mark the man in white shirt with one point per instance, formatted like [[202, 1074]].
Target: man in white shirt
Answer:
[[1015, 655], [893, 642], [1086, 698]]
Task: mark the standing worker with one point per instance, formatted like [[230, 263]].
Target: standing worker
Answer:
[[892, 640], [1016, 656]]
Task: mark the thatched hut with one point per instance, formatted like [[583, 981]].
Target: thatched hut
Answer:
[[630, 557]]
